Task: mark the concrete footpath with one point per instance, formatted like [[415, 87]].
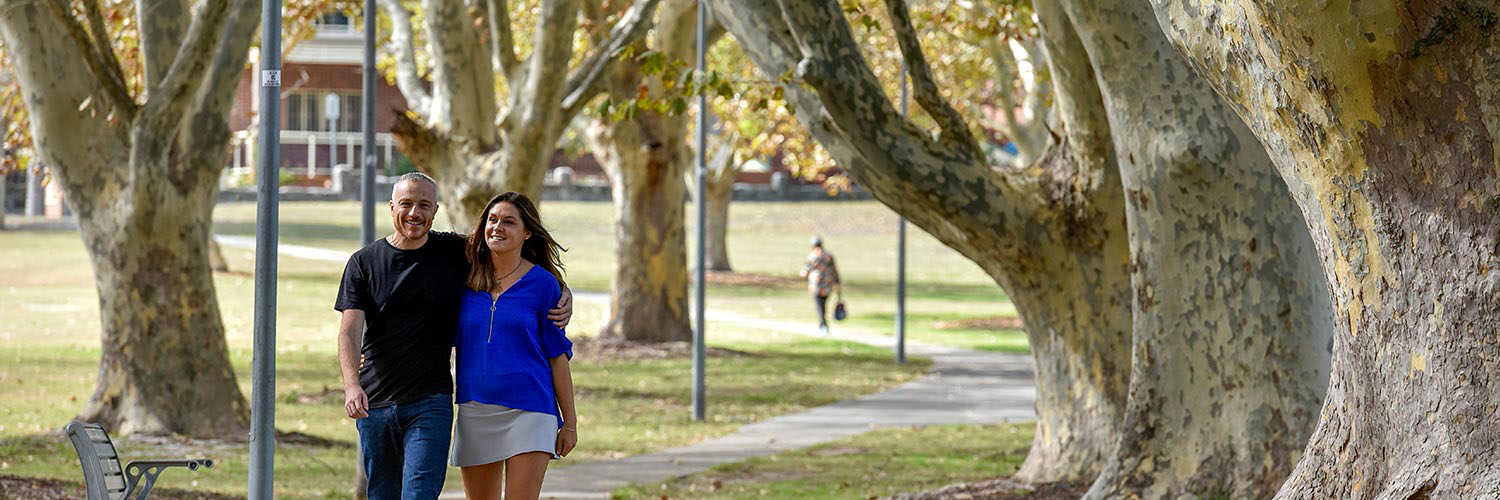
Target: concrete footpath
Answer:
[[964, 387]]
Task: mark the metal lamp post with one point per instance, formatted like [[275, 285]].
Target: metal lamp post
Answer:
[[263, 362], [901, 257], [702, 172]]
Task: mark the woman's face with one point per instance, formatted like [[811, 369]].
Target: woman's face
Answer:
[[503, 229]]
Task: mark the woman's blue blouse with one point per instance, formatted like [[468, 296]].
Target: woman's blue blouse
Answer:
[[503, 345]]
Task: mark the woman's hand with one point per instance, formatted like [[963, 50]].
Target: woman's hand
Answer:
[[567, 438]]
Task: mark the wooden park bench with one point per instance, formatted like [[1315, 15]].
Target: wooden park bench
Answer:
[[102, 475]]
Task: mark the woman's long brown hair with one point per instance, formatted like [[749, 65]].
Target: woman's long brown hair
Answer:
[[540, 248]]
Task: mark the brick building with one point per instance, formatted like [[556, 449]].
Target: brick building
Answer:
[[324, 70], [327, 70]]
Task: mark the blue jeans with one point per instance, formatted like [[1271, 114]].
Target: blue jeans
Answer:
[[405, 448]]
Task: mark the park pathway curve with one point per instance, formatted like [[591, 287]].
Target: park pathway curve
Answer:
[[963, 387]]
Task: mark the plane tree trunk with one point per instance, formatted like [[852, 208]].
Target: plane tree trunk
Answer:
[[1052, 235], [645, 158], [1384, 120], [1231, 315], [142, 178]]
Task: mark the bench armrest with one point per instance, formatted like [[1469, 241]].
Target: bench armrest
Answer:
[[191, 463], [141, 474]]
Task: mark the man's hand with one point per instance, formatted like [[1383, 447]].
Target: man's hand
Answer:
[[564, 311], [355, 403]]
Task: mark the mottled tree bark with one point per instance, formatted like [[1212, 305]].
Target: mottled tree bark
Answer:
[[649, 292], [142, 179], [1231, 316], [1053, 236], [1384, 120], [644, 158]]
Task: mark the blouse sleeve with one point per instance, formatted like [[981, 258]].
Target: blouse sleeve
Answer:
[[554, 340]]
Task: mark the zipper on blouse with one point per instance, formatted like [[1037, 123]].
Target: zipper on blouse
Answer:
[[490, 332]]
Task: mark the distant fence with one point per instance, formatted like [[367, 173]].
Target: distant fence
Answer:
[[554, 189]]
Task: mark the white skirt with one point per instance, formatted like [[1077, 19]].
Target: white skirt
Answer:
[[486, 433]]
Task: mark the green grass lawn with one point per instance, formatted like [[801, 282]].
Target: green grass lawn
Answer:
[[874, 464], [768, 239], [49, 338]]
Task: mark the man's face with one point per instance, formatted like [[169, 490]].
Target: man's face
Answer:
[[413, 203]]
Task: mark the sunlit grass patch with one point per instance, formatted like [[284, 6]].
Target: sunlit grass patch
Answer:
[[874, 464]]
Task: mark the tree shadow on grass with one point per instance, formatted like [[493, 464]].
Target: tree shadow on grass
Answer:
[[293, 230], [35, 488]]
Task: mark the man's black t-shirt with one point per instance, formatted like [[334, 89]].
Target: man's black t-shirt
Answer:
[[410, 299]]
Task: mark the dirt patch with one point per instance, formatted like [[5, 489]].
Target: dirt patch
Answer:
[[1002, 488], [309, 440], [594, 350], [30, 488], [184, 446], [839, 450], [754, 280], [329, 395], [995, 323]]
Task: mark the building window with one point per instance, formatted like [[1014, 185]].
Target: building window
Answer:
[[305, 111], [334, 21]]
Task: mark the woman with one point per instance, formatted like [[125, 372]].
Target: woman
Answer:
[[514, 389], [822, 279]]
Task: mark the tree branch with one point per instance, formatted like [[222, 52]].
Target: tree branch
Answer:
[[720, 162], [115, 92], [1077, 98], [1005, 79], [101, 40], [938, 187], [175, 92], [463, 81], [533, 110], [584, 83], [504, 43], [230, 58], [594, 15], [159, 25], [207, 133], [924, 88], [85, 149], [407, 79]]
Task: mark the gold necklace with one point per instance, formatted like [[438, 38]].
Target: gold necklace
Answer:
[[512, 271]]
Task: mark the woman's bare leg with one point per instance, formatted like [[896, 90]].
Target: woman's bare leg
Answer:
[[482, 482], [523, 475]]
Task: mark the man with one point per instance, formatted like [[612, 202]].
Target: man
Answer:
[[822, 279], [399, 299]]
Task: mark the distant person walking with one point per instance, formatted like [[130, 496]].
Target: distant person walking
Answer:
[[399, 301], [822, 279], [515, 389]]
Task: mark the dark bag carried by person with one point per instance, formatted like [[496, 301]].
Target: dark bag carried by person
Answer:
[[839, 311]]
